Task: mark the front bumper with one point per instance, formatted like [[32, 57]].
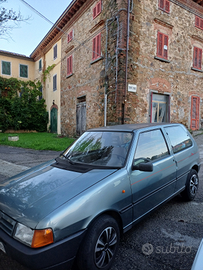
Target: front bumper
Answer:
[[59, 255]]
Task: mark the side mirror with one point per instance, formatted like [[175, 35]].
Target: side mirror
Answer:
[[143, 166]]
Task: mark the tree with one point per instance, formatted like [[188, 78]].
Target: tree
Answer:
[[7, 17]]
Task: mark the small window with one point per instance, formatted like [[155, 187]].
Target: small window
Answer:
[[69, 65], [55, 51], [97, 10], [162, 45], [164, 5], [55, 82], [40, 89], [151, 146], [180, 142], [70, 36], [96, 47], [23, 71], [199, 22], [197, 58], [40, 64], [6, 68]]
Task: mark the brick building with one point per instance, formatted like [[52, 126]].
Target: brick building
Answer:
[[158, 78]]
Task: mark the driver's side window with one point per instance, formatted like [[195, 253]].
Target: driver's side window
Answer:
[[151, 146]]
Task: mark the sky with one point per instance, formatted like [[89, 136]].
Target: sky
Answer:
[[26, 36]]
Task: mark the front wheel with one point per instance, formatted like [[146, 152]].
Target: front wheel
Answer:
[[100, 245], [191, 186]]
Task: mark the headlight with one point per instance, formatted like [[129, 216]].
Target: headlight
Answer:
[[24, 234], [33, 238]]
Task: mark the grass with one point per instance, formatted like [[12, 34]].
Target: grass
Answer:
[[37, 141]]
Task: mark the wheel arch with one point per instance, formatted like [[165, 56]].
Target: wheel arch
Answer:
[[112, 213], [196, 168]]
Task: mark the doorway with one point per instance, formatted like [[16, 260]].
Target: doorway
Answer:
[[54, 113], [81, 115], [159, 108]]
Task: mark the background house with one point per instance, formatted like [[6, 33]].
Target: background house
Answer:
[[16, 65]]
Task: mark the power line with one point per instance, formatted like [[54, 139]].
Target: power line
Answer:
[[45, 18]]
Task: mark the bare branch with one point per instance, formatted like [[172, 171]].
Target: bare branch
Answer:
[[7, 17]]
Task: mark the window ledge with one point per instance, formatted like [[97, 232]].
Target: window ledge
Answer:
[[96, 60], [195, 69], [68, 76], [162, 59]]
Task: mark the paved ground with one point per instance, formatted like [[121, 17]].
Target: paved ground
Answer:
[[166, 240]]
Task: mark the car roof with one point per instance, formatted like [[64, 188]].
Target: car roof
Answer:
[[130, 127]]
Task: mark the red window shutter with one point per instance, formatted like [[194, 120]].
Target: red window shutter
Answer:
[[201, 23], [195, 57], [167, 6], [94, 12], [99, 8], [94, 49], [159, 44], [71, 35], [68, 39], [98, 46], [200, 59], [69, 65], [165, 47], [197, 21], [161, 4]]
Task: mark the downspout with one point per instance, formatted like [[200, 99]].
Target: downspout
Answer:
[[126, 70], [106, 79]]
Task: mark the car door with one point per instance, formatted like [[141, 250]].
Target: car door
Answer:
[[183, 152], [149, 189]]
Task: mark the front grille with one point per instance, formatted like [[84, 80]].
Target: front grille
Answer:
[[7, 224]]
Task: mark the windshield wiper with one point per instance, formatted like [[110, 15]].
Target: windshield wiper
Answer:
[[68, 158]]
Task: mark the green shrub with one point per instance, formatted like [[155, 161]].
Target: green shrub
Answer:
[[20, 107]]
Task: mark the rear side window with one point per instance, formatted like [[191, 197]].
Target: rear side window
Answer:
[[179, 138], [151, 145]]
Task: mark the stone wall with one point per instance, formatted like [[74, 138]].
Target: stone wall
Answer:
[[175, 77]]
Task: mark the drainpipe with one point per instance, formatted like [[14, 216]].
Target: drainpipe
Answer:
[[126, 70], [106, 77]]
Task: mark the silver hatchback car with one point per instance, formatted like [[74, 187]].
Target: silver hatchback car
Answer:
[[76, 207]]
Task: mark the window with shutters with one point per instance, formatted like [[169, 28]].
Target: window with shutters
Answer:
[[5, 68], [199, 22], [40, 64], [23, 71], [55, 51], [70, 36], [162, 46], [55, 82], [197, 58], [97, 9], [194, 113], [164, 5], [69, 65], [96, 47]]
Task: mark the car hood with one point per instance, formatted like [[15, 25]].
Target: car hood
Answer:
[[34, 194]]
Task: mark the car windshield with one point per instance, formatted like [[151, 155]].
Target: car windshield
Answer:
[[100, 148]]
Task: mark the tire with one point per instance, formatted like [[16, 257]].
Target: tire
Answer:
[[191, 186], [100, 245]]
